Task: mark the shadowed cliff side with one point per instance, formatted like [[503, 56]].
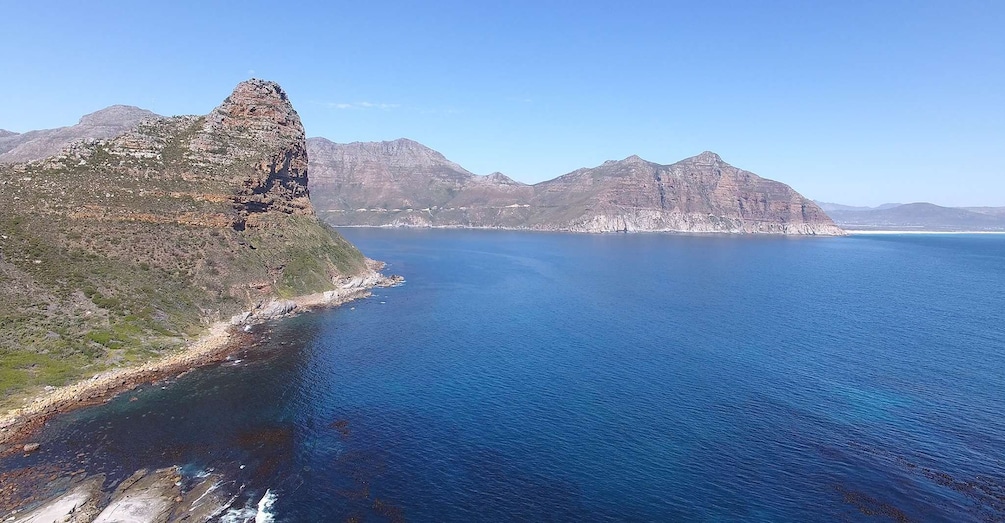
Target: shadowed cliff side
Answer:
[[116, 249]]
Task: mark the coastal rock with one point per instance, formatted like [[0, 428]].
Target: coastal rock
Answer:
[[77, 505], [242, 318], [275, 309], [203, 502], [31, 447], [404, 184], [145, 496]]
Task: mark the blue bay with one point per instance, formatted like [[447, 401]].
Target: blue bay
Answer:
[[556, 377]]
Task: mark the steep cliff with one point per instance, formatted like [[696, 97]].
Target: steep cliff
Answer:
[[119, 247], [406, 183], [388, 183], [698, 194]]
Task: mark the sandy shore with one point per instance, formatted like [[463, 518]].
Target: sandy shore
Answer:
[[18, 425]]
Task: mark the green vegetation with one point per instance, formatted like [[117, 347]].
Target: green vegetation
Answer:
[[114, 253]]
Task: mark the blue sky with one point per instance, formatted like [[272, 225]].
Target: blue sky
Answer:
[[853, 102]]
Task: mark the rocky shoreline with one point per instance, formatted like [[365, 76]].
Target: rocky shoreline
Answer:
[[148, 495], [18, 425], [621, 228]]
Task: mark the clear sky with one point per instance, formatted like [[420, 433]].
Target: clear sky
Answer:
[[853, 102]]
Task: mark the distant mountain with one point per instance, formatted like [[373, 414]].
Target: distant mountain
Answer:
[[35, 145], [994, 211], [398, 175], [828, 207], [403, 183], [920, 216]]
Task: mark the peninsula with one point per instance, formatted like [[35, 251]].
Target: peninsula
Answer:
[[118, 251]]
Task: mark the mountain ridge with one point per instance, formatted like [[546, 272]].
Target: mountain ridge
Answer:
[[698, 194], [922, 216], [103, 123]]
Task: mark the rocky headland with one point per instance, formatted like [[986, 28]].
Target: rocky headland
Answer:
[[118, 251], [136, 257]]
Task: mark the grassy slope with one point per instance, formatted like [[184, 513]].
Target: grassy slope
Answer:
[[108, 259]]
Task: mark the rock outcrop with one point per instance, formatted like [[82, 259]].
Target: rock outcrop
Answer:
[[35, 145], [402, 183], [146, 496], [116, 248], [257, 114]]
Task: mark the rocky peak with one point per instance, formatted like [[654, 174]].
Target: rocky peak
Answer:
[[705, 158], [499, 178], [4, 133], [631, 160], [116, 115], [257, 122], [259, 106], [403, 148], [395, 154]]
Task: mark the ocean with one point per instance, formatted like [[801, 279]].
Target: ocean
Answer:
[[521, 376]]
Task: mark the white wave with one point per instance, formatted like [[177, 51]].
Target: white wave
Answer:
[[248, 513], [239, 515], [264, 514]]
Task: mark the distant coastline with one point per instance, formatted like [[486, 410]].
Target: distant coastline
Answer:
[[577, 231], [860, 232]]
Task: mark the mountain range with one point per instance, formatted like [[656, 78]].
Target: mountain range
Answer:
[[35, 145], [403, 183], [920, 216]]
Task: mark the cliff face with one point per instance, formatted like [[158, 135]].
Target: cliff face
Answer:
[[404, 183], [35, 145], [257, 115], [374, 184], [698, 194], [120, 246]]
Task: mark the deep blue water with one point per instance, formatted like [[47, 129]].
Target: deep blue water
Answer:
[[557, 377]]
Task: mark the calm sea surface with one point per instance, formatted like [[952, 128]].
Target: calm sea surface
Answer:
[[557, 377]]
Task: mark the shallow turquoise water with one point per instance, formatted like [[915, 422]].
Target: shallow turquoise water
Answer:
[[527, 377]]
